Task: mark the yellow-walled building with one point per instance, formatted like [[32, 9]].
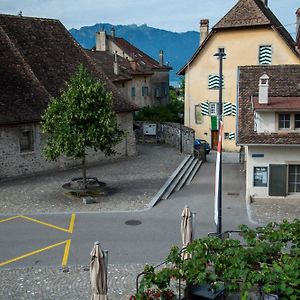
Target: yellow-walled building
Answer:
[[249, 34]]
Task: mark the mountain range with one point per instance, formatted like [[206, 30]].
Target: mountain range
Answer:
[[177, 47]]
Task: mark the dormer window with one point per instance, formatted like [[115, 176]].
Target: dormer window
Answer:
[[265, 55]]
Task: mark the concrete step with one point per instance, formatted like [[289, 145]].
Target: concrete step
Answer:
[[176, 180], [186, 172], [193, 172], [159, 194]]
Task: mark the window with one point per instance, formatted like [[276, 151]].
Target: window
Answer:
[[26, 141], [157, 92], [145, 91], [226, 135], [265, 55], [284, 121], [294, 178], [297, 121], [213, 108], [133, 91]]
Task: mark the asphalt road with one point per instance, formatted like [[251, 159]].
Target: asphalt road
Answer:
[[66, 239]]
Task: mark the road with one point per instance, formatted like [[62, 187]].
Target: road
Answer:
[[66, 239]]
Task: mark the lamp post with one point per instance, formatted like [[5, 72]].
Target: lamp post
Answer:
[[220, 55], [180, 116]]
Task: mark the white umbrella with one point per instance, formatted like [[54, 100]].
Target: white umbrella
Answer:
[[186, 230], [98, 273]]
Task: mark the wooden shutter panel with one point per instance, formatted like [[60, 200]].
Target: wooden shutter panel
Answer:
[[277, 180]]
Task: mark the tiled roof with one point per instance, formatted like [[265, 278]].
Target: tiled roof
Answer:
[[248, 14], [105, 60], [278, 104], [142, 58], [298, 31], [284, 82], [47, 52]]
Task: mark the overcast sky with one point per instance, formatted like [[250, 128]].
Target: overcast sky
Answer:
[[175, 15]]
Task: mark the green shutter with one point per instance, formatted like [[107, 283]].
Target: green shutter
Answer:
[[277, 180], [214, 122]]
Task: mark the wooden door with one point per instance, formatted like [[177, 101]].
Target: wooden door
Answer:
[[214, 139]]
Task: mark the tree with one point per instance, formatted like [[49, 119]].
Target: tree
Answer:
[[80, 118]]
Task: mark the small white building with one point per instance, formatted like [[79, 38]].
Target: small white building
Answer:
[[269, 129]]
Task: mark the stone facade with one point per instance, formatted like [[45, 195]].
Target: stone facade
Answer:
[[168, 133], [16, 163]]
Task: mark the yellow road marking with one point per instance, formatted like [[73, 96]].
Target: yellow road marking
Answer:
[[33, 253], [8, 219], [47, 224], [66, 253], [72, 221]]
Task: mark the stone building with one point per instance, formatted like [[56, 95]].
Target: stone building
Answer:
[[142, 79], [37, 58], [249, 34]]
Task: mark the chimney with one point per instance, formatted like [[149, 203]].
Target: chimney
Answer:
[[263, 92], [133, 64], [116, 64], [101, 44], [113, 32], [297, 19], [204, 28], [161, 58]]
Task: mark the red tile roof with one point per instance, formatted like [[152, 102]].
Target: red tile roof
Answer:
[[278, 104], [142, 58], [283, 85]]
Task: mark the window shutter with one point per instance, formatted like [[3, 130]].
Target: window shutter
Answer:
[[213, 81], [265, 55], [204, 108], [277, 180], [226, 108], [233, 109], [231, 136]]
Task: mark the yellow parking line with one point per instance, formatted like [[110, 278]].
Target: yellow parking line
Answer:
[[33, 253], [72, 221], [48, 224], [66, 253], [8, 219]]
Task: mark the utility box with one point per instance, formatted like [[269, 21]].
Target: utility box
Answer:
[[149, 129]]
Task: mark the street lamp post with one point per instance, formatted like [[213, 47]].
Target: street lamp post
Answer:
[[180, 116], [220, 55]]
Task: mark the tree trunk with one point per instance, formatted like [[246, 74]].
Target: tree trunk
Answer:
[[84, 171]]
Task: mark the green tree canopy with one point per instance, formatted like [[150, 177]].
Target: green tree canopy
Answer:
[[80, 118]]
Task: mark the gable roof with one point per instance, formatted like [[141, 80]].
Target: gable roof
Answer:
[[283, 87], [105, 60], [143, 59], [46, 51], [248, 14], [298, 29]]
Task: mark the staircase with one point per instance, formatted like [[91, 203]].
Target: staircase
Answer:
[[183, 175]]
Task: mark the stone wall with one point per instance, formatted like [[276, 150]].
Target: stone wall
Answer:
[[168, 133], [14, 163]]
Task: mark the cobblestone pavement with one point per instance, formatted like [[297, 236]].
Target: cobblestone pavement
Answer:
[[52, 283], [145, 174]]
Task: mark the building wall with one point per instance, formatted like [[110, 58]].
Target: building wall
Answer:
[[265, 122], [168, 133], [241, 48], [14, 163], [285, 154]]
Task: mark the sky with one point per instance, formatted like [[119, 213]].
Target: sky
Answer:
[[175, 15]]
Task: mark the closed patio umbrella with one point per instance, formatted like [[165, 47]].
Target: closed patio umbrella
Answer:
[[98, 273], [186, 230]]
